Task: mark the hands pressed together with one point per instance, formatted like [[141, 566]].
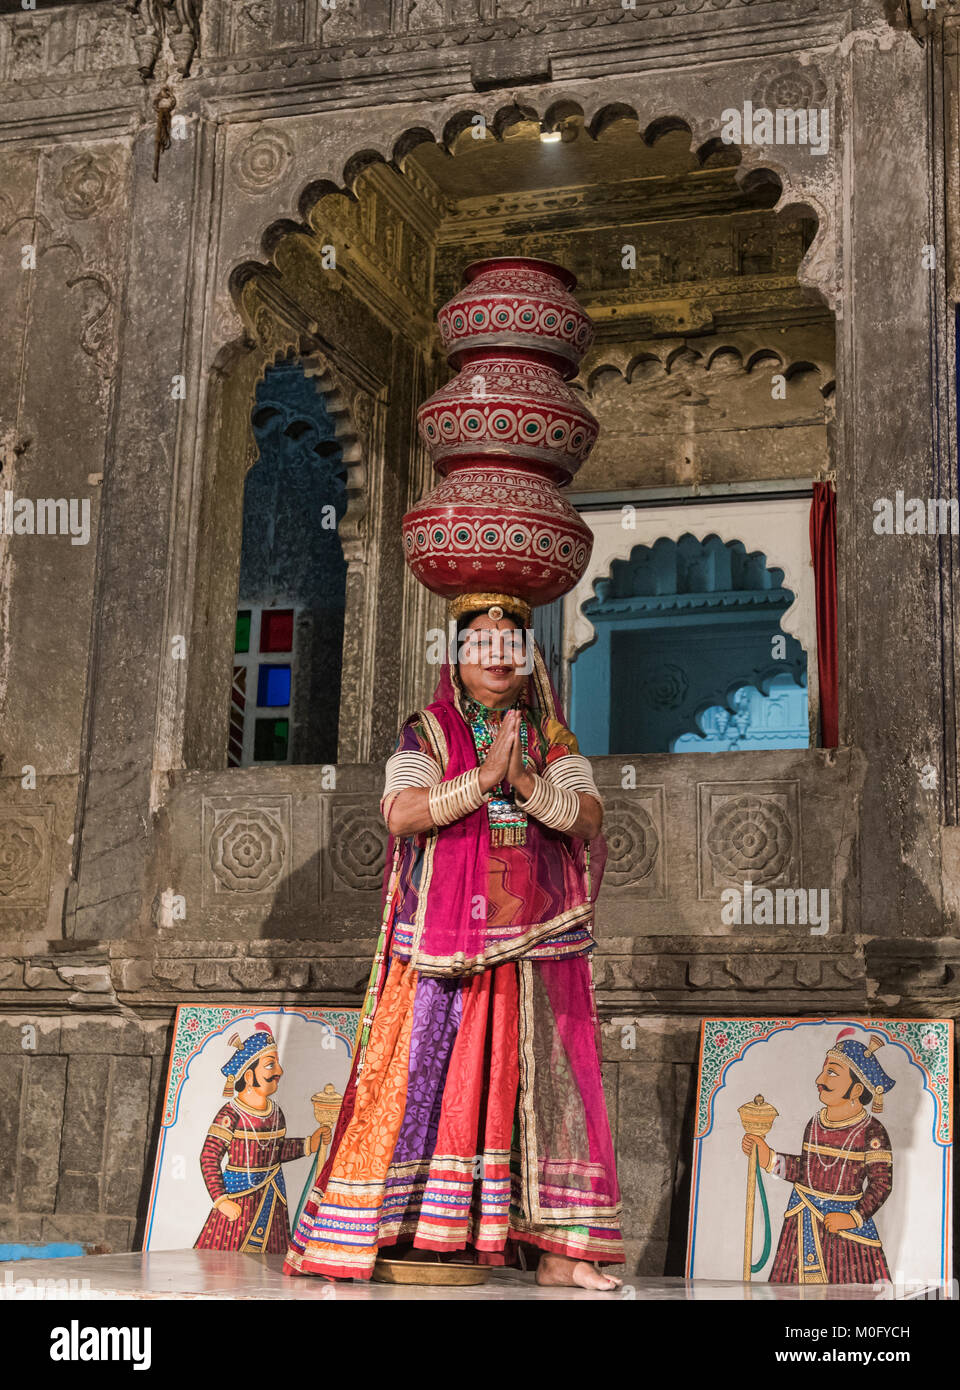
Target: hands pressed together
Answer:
[[409, 811], [504, 760]]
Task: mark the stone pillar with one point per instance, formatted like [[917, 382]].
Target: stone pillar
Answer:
[[890, 676], [132, 579]]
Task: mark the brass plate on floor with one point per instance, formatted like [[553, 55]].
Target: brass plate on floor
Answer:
[[428, 1272]]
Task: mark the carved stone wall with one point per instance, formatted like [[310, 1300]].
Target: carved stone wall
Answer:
[[136, 335]]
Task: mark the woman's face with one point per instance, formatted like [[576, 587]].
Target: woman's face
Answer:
[[491, 663]]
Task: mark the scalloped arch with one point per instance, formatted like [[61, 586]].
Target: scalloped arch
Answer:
[[817, 271], [614, 360]]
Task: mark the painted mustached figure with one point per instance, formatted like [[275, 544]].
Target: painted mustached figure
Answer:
[[841, 1178], [243, 1152]]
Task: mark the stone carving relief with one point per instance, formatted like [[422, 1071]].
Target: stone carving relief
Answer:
[[748, 831], [256, 14], [362, 412], [97, 297], [665, 688], [96, 331], [799, 86], [344, 20], [247, 850], [21, 854], [429, 14], [72, 46], [227, 322], [705, 256], [261, 160], [633, 829], [87, 185], [24, 855], [107, 44], [256, 26], [714, 380], [177, 20], [271, 332], [354, 28], [358, 848], [27, 51]]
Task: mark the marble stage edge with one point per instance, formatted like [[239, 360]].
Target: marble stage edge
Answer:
[[211, 1274]]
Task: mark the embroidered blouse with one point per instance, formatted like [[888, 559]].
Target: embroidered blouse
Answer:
[[522, 896]]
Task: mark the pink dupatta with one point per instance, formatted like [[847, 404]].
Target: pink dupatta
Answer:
[[449, 933]]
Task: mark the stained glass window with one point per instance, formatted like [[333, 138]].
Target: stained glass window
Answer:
[[276, 631], [270, 740], [273, 686], [291, 592]]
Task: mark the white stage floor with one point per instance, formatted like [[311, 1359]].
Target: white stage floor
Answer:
[[210, 1274]]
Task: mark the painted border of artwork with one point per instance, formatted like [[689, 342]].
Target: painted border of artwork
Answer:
[[193, 1027], [927, 1042]]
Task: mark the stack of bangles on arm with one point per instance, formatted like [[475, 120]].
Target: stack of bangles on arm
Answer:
[[554, 801], [456, 797], [555, 806]]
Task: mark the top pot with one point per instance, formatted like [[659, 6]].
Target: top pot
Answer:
[[516, 302]]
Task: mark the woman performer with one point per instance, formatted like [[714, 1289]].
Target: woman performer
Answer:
[[474, 1118]]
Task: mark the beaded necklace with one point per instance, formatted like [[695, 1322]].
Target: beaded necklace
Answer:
[[508, 824], [846, 1148]]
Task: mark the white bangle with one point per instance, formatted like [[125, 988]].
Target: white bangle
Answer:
[[456, 797], [558, 807]]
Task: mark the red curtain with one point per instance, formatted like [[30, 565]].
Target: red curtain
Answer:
[[823, 546]]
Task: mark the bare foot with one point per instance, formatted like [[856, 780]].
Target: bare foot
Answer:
[[560, 1269]]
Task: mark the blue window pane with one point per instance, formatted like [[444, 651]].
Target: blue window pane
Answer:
[[273, 685]]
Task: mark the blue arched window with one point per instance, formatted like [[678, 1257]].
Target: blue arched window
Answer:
[[689, 654]]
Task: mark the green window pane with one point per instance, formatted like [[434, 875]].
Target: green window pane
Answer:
[[270, 738], [243, 631]]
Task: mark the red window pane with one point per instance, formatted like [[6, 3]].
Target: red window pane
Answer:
[[276, 630]]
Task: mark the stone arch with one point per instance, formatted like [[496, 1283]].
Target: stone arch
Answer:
[[274, 320], [737, 354], [548, 109]]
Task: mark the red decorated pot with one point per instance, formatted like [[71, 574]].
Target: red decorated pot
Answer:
[[508, 407], [516, 302], [497, 529]]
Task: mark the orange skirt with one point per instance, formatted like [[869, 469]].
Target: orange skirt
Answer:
[[459, 1136]]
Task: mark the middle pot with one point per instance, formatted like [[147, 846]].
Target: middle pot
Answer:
[[507, 406]]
